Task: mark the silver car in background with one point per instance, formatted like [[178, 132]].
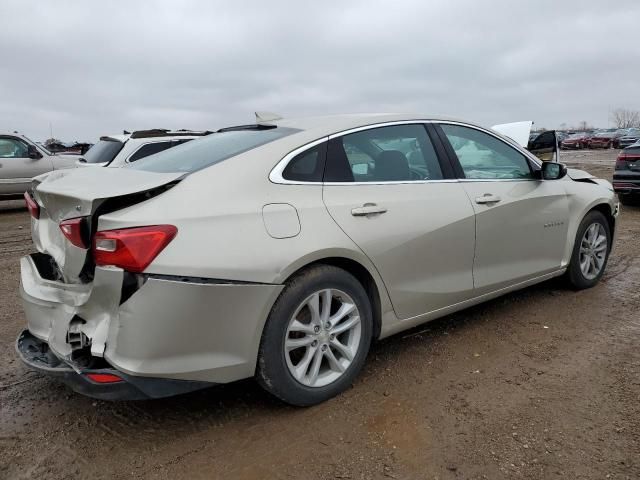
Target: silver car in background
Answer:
[[281, 250], [21, 159]]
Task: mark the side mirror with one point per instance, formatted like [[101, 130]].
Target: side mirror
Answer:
[[553, 170], [33, 152]]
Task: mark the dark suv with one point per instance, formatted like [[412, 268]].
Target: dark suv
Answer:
[[626, 177]]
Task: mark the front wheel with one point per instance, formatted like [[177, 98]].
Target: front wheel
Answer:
[[316, 338], [590, 251]]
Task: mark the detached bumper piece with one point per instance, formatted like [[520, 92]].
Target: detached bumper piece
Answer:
[[100, 383]]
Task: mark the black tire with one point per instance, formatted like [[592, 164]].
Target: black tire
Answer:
[[574, 276], [272, 371]]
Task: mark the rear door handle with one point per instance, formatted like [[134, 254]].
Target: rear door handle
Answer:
[[367, 209], [488, 198]]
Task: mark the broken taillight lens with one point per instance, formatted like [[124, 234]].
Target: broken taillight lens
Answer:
[[131, 249], [32, 206], [75, 231]]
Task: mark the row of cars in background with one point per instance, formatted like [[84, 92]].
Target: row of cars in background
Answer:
[[609, 138], [21, 159]]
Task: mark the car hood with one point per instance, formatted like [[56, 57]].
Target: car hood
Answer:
[[517, 131], [576, 174]]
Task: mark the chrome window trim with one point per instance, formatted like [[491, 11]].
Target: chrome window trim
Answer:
[[275, 176], [504, 139], [378, 125], [276, 173]]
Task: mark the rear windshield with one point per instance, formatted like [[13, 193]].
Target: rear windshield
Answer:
[[209, 150], [103, 152]]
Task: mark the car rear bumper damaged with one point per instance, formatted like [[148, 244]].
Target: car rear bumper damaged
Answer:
[[104, 383], [160, 327]]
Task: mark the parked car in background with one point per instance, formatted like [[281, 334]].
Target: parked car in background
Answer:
[[575, 141], [21, 159], [281, 250], [631, 136], [626, 176], [129, 147], [561, 136], [78, 148], [602, 140]]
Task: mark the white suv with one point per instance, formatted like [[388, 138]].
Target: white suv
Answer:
[[119, 150]]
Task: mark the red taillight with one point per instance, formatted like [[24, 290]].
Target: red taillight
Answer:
[[131, 249], [34, 208], [623, 160], [74, 230], [104, 378]]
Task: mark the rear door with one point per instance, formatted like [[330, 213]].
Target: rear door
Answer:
[[16, 168], [521, 222], [396, 198]]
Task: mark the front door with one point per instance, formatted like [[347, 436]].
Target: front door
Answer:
[[521, 222], [386, 189]]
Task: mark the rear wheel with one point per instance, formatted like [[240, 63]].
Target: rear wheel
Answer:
[[590, 251], [317, 337]]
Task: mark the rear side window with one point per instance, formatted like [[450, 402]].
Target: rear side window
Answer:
[[397, 153], [210, 150], [307, 166], [103, 152], [149, 149]]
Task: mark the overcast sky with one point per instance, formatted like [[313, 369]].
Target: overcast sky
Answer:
[[91, 68]]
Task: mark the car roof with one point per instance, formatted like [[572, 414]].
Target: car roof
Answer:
[[156, 133], [329, 124]]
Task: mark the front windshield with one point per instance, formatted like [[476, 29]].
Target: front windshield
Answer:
[[103, 152], [209, 150]]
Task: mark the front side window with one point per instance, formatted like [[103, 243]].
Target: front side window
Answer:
[[483, 156], [397, 153], [12, 148]]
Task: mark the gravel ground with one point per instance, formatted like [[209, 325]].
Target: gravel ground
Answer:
[[542, 383]]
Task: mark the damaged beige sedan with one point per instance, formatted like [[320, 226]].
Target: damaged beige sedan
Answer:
[[282, 249]]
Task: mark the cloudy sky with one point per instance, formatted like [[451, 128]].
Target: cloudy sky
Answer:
[[89, 68]]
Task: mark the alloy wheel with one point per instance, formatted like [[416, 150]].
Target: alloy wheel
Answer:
[[593, 251], [322, 338]]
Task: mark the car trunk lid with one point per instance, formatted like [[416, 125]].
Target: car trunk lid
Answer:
[[86, 193]]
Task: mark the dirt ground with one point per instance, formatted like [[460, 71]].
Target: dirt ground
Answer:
[[543, 383]]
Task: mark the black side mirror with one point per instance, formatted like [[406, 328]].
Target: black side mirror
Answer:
[[553, 170], [33, 152]]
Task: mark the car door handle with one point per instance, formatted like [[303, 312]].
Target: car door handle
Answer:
[[367, 209], [488, 198]]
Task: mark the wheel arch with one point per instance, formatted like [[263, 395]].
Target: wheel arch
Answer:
[[373, 286], [606, 210]]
